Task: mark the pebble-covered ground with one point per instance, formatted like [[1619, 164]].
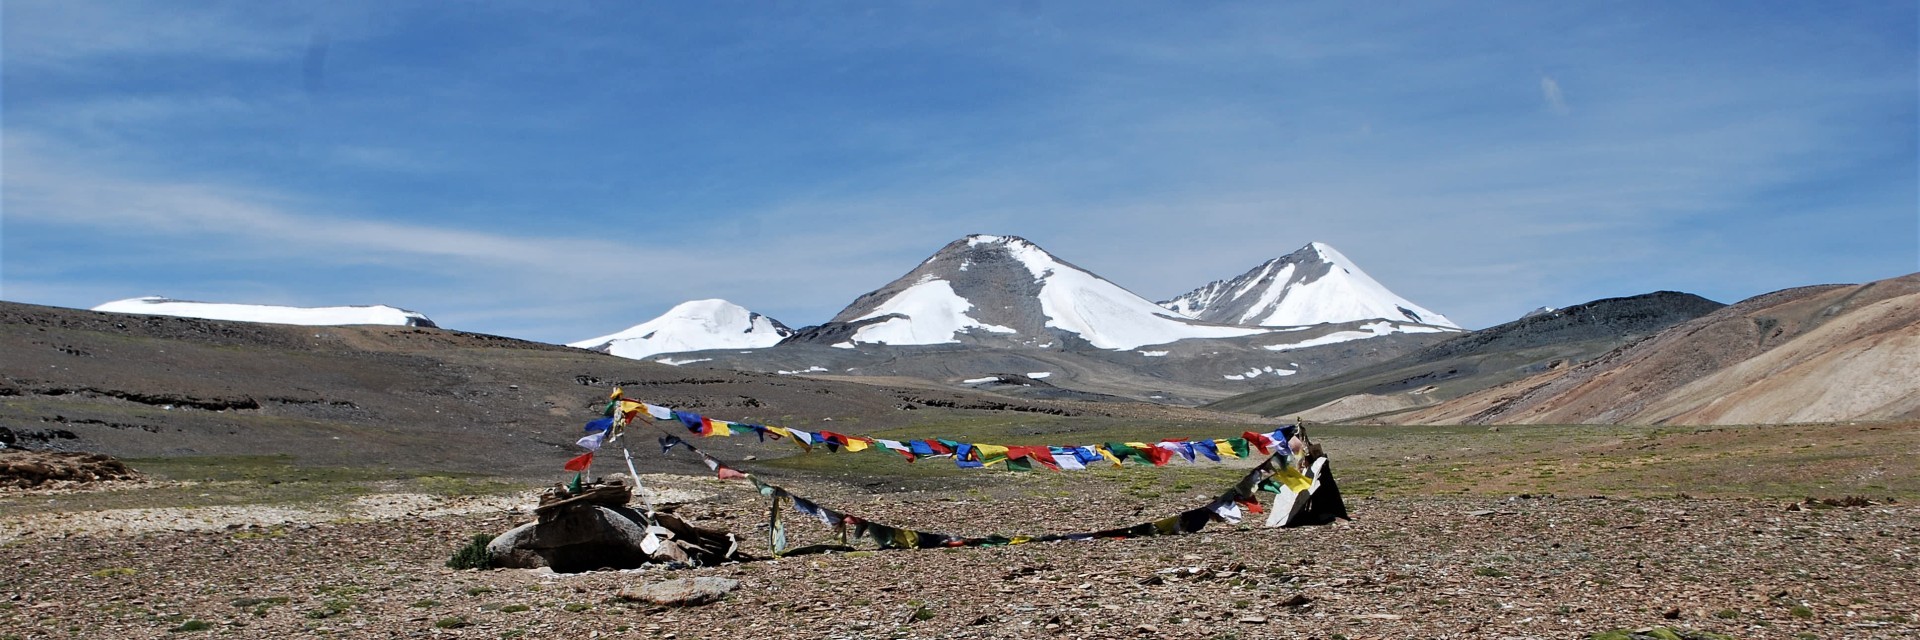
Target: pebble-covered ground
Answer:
[[1426, 567]]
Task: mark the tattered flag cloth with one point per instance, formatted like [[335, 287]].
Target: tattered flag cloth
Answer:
[[580, 463]]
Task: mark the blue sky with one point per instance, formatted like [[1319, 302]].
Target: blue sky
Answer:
[[556, 171]]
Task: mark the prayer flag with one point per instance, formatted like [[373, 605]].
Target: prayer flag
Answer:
[[1259, 441], [966, 457], [897, 447], [1207, 448], [1067, 459], [667, 443], [1153, 454], [710, 428], [658, 412], [601, 425], [592, 442], [1227, 510], [1107, 453], [1239, 447], [580, 463], [692, 420], [991, 453]]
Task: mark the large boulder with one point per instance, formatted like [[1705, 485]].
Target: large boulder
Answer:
[[593, 529], [581, 538]]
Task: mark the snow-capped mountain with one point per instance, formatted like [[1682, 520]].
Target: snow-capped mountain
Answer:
[[1310, 286], [692, 326], [1007, 291], [314, 316]]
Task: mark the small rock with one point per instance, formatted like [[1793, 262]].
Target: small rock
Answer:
[[685, 592], [1253, 620], [1296, 600]]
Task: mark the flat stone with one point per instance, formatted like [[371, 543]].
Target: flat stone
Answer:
[[685, 592]]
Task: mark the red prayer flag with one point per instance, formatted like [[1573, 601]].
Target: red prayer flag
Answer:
[[580, 463], [1259, 441]]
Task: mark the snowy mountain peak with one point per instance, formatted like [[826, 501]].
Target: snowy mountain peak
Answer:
[[310, 316], [1313, 285], [692, 326], [1009, 291]]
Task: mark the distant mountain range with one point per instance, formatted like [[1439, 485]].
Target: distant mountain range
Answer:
[[1001, 308], [1000, 315]]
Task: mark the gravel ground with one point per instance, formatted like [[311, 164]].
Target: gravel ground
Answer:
[[1430, 567]]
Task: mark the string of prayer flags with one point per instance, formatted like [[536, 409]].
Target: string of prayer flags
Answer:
[[967, 455], [1317, 502]]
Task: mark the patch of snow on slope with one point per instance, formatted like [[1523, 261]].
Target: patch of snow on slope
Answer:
[[1368, 330], [1105, 315], [309, 316], [981, 380], [1039, 374], [934, 315], [677, 363], [813, 369], [1154, 354], [1257, 371], [692, 326]]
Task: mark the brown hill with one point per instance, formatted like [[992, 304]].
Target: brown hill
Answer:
[[1810, 354], [406, 398]]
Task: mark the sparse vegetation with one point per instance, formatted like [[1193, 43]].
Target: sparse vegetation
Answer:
[[474, 555]]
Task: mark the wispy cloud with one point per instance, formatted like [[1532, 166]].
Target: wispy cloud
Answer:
[[1550, 91]]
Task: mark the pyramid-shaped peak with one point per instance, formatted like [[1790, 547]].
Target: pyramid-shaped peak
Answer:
[[1314, 284]]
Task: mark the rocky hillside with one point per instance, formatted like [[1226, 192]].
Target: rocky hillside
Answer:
[[1811, 354], [1538, 342]]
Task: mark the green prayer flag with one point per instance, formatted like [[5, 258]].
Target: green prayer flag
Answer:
[[1122, 451], [1240, 447]]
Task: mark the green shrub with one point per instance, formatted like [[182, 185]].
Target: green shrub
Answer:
[[191, 625], [474, 555]]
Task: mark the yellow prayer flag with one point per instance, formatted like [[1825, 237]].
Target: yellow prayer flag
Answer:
[[856, 445], [1104, 453], [991, 453], [1226, 448], [1293, 479], [779, 431]]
